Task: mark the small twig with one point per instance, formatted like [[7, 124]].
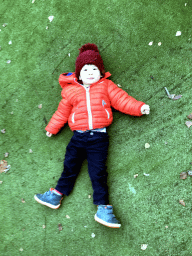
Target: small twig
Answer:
[[167, 91], [171, 96]]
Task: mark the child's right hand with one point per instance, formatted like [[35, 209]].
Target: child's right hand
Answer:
[[49, 134]]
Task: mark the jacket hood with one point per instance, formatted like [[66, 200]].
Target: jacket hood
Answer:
[[70, 78]]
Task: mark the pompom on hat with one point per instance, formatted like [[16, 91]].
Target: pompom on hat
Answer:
[[89, 54]]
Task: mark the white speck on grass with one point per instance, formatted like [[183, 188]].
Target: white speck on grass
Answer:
[[144, 246], [132, 189], [51, 18], [151, 43], [178, 33]]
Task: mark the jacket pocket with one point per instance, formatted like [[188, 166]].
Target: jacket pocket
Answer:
[[107, 113], [73, 118]]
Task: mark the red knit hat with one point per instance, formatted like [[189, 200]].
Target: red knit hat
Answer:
[[89, 54]]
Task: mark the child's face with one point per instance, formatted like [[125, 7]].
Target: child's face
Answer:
[[90, 74]]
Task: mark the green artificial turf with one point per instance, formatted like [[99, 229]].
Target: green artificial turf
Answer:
[[147, 206]]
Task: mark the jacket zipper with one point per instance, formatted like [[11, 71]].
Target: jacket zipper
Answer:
[[89, 108], [73, 120], [107, 113]]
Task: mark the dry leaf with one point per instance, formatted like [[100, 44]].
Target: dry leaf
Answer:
[[189, 173], [1, 181], [67, 216], [183, 175], [92, 235], [3, 166], [6, 154], [4, 25], [189, 116], [21, 249], [30, 151], [188, 123], [60, 227], [44, 226], [177, 97], [40, 106], [89, 196], [136, 175], [22, 200], [3, 131], [171, 96], [8, 61], [182, 202]]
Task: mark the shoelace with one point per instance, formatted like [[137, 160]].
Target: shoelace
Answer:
[[47, 193], [110, 211]]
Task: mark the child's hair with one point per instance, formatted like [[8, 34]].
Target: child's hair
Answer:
[[89, 54]]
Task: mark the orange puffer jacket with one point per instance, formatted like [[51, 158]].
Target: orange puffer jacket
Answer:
[[90, 108]]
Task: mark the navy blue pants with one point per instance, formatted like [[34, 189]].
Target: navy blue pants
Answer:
[[94, 147]]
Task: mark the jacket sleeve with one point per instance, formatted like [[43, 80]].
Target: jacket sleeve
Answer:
[[121, 101], [60, 117]]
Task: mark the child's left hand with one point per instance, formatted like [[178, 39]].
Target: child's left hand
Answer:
[[145, 109]]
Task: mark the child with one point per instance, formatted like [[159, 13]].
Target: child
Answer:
[[87, 99]]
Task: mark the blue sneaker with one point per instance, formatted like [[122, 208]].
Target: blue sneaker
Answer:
[[49, 199], [106, 217]]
